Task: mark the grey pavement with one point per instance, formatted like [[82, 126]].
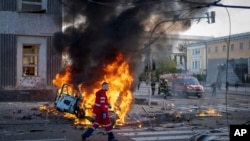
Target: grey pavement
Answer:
[[24, 121], [239, 90]]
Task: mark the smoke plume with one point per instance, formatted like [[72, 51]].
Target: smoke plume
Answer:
[[103, 28]]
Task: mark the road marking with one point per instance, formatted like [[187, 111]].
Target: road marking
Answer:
[[45, 140], [158, 134], [164, 138]]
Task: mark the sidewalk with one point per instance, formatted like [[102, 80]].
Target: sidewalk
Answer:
[[239, 90]]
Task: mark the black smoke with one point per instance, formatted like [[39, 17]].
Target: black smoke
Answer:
[[111, 27]]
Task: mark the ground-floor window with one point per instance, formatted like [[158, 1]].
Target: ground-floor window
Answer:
[[30, 59], [195, 65]]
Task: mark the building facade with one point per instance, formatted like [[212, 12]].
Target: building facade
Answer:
[[220, 55], [28, 60], [196, 57], [171, 47]]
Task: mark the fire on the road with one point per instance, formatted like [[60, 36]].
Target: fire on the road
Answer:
[[208, 112], [120, 79]]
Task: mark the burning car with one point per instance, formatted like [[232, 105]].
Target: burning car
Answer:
[[188, 86], [69, 102]]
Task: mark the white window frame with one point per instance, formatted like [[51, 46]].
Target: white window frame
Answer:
[[43, 3], [34, 63]]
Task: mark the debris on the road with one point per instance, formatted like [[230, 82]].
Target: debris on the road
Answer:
[[208, 112], [167, 106], [149, 115]]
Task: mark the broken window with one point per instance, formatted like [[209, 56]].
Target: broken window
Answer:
[[30, 60], [32, 6]]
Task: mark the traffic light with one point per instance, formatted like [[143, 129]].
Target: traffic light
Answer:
[[210, 17]]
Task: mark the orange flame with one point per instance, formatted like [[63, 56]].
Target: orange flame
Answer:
[[209, 112], [119, 77]]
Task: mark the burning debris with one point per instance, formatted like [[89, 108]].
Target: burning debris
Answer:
[[210, 112], [102, 41]]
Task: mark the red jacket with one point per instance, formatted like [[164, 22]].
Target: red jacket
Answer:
[[101, 103]]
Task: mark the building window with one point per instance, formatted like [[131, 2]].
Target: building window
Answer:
[[195, 65], [209, 50], [197, 51], [241, 46], [216, 49], [224, 48], [249, 45], [32, 6], [232, 47], [30, 60]]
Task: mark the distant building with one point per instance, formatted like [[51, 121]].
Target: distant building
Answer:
[[216, 55], [28, 60], [170, 44], [196, 57]]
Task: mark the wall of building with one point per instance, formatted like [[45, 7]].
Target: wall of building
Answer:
[[196, 52], [28, 23], [236, 53], [203, 58], [7, 61], [216, 50], [34, 27], [189, 59]]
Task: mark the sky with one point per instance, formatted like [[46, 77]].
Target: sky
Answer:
[[240, 21]]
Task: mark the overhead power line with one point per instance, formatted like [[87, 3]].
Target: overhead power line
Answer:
[[216, 4]]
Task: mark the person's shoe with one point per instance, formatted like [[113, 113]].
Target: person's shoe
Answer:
[[83, 137]]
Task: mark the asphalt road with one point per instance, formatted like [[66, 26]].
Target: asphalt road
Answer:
[[172, 119]]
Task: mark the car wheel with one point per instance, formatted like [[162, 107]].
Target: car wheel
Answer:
[[185, 94], [80, 113]]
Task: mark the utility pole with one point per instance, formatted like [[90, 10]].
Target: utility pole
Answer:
[[148, 70]]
